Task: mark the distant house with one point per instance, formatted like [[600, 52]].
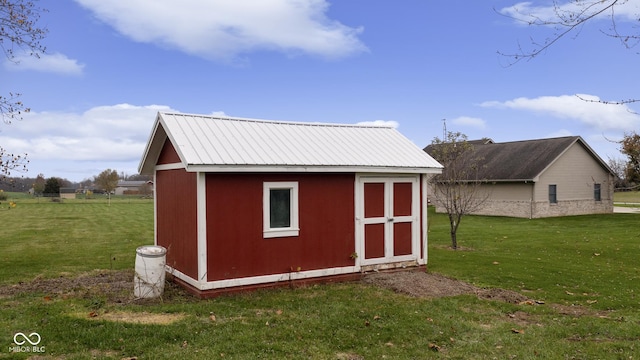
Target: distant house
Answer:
[[126, 187], [67, 193], [244, 203], [543, 178]]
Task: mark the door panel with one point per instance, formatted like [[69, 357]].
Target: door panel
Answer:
[[388, 220], [374, 241], [402, 196], [402, 239], [374, 200]]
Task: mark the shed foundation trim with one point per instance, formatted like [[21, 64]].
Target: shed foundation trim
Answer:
[[264, 279]]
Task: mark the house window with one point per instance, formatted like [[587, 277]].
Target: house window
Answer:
[[596, 192], [553, 194], [280, 209]]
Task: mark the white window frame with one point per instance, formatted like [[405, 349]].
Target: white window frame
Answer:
[[293, 229]]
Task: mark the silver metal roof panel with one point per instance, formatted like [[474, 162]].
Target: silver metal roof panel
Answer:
[[211, 143]]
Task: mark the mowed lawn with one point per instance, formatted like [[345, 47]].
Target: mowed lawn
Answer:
[[627, 197], [583, 271], [43, 238]]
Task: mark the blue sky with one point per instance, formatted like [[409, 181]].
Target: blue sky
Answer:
[[111, 65]]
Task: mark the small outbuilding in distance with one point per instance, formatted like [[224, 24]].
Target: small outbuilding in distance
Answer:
[[245, 203]]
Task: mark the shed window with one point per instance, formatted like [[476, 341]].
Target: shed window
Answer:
[[280, 209], [596, 192], [553, 194]]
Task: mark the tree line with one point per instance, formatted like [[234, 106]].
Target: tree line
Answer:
[[105, 182]]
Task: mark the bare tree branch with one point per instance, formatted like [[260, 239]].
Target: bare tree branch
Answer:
[[18, 31], [568, 21]]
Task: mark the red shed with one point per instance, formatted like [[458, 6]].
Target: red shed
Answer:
[[248, 203]]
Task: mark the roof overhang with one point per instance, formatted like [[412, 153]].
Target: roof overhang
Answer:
[[310, 169]]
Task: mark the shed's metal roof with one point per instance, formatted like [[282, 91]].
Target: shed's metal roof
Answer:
[[210, 143]]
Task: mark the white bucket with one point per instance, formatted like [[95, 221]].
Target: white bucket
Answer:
[[148, 281]]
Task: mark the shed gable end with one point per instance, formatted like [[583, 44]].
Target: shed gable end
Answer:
[[168, 154]]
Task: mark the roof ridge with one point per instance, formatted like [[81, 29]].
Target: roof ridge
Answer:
[[532, 140], [279, 122]]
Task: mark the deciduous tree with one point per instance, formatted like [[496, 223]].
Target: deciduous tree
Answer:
[[458, 190], [108, 181], [38, 184], [630, 146], [19, 32]]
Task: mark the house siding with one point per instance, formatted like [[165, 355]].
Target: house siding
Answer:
[[574, 174], [236, 246]]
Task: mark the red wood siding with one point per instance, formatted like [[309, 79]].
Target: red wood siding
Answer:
[[235, 243], [176, 219], [168, 154]]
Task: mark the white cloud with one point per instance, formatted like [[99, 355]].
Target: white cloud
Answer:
[[219, 114], [53, 63], [469, 121], [382, 123], [104, 133], [224, 29], [584, 108], [528, 13]]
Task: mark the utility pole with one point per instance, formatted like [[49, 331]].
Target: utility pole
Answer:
[[444, 129]]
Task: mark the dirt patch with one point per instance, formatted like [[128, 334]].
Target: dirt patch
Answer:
[[102, 286], [430, 285], [579, 311], [133, 317], [117, 286]]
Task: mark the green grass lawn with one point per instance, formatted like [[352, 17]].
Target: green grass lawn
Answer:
[[632, 197], [584, 269]]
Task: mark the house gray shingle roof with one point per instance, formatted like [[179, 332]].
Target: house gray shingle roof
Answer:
[[521, 160], [210, 143]]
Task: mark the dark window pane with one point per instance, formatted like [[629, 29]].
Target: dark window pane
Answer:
[[596, 192], [280, 211], [553, 194]]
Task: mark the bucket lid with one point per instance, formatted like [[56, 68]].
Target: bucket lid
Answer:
[[151, 251]]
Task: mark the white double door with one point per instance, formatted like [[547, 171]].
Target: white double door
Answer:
[[387, 219]]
